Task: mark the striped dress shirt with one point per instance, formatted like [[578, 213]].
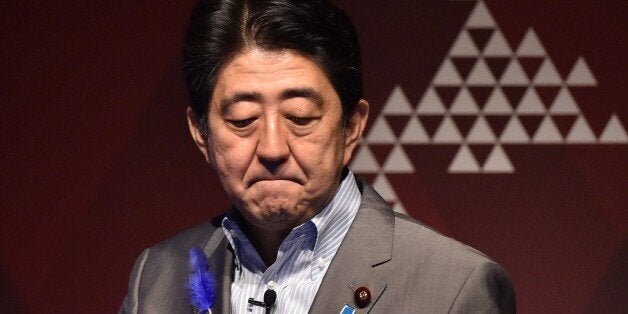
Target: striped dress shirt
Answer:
[[302, 259]]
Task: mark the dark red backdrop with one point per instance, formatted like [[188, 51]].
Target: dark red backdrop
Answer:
[[97, 163]]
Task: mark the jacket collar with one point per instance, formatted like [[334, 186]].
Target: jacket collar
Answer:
[[367, 245]]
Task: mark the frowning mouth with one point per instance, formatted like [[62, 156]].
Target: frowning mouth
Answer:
[[274, 179]]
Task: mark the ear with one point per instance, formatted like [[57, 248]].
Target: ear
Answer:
[[355, 127], [199, 138]]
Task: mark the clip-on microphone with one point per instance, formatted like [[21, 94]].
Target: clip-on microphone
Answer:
[[270, 296]]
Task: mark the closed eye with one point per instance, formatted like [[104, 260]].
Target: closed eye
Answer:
[[240, 124], [301, 121]]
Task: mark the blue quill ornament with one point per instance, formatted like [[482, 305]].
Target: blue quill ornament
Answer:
[[201, 284]]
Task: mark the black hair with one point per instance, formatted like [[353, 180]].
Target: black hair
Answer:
[[219, 29]]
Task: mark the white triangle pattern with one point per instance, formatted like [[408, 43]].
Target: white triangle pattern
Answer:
[[481, 132], [383, 187], [381, 133], [480, 16], [564, 103], [464, 162], [430, 103], [447, 74], [464, 46], [547, 75], [464, 103], [514, 74], [398, 162], [547, 133], [414, 133], [498, 162], [397, 103], [614, 132], [481, 74], [447, 132], [531, 103], [497, 46], [364, 161], [497, 104], [580, 132], [530, 46], [581, 75]]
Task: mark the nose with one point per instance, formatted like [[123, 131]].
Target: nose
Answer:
[[272, 148]]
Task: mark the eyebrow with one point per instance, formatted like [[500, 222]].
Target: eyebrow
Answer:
[[302, 92], [236, 97]]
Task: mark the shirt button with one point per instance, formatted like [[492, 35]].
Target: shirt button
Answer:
[[271, 285], [321, 262]]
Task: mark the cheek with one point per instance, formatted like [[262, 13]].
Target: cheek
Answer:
[[231, 157]]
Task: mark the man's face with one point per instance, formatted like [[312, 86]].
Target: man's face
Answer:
[[275, 137]]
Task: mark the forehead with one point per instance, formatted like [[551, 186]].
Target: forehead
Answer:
[[270, 72]]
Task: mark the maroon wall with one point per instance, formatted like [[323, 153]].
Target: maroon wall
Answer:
[[97, 163]]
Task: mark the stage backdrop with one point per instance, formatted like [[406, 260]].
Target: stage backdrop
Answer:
[[501, 123]]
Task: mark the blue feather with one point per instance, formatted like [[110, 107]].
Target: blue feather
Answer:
[[201, 284]]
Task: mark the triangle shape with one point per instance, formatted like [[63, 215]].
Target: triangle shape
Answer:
[[514, 74], [480, 16], [481, 132], [497, 65], [531, 65], [447, 94], [397, 123], [498, 162], [463, 46], [480, 36], [464, 123], [547, 94], [531, 46], [381, 133], [481, 74], [531, 103], [397, 103], [614, 132], [547, 75], [398, 162], [497, 46], [564, 103], [497, 123], [531, 123], [447, 132], [547, 133], [431, 123], [447, 74], [514, 133], [384, 189], [414, 133], [464, 65], [464, 103], [581, 75], [464, 162], [497, 103], [481, 151], [430, 103], [398, 207], [364, 161], [581, 132], [564, 123], [481, 93]]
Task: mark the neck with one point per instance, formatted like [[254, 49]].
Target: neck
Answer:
[[265, 242]]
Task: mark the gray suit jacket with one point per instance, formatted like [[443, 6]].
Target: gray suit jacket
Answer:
[[408, 268]]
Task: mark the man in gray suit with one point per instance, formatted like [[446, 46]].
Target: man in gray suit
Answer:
[[277, 110]]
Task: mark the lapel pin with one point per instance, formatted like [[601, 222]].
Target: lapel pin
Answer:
[[362, 297]]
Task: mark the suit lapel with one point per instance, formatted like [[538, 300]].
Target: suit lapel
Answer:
[[221, 262], [368, 244]]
